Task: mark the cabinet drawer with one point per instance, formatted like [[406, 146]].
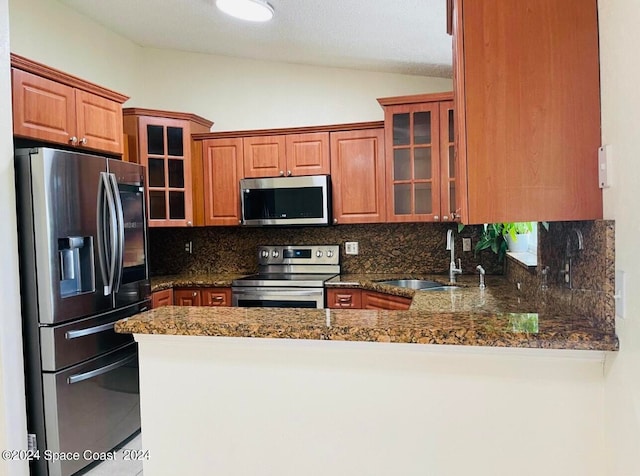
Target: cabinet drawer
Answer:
[[344, 298], [216, 297]]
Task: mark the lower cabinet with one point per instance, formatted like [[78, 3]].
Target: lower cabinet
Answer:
[[162, 298], [202, 297], [338, 298], [375, 300]]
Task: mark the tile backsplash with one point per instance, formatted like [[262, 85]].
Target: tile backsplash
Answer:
[[411, 248]]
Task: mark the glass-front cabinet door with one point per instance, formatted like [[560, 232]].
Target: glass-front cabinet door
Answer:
[[448, 206], [420, 158], [413, 162], [164, 143]]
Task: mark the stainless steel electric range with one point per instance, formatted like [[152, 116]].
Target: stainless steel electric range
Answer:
[[288, 276]]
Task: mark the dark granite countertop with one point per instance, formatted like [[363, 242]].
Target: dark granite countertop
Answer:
[[214, 280], [497, 316]]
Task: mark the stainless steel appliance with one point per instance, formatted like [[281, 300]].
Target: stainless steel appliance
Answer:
[[288, 276], [83, 266], [286, 200]]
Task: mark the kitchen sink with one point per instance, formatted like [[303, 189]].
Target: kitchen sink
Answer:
[[419, 284]]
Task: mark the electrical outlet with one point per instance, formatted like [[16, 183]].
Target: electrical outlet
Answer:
[[351, 247], [466, 244], [188, 247], [619, 294]]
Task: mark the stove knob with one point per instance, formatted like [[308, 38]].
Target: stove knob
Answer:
[[329, 254], [275, 253], [265, 253], [319, 254]]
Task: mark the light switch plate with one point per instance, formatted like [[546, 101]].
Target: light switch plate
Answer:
[[466, 244], [351, 247]]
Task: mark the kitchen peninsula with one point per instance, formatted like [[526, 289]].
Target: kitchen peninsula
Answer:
[[358, 392]]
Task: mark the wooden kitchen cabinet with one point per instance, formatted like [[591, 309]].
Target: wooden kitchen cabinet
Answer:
[[419, 157], [52, 106], [527, 107], [162, 298], [353, 298], [216, 297], [286, 155], [344, 298], [202, 297], [376, 300], [161, 141], [222, 162], [187, 297], [358, 176]]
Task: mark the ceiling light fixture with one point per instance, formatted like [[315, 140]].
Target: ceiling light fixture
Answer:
[[250, 10]]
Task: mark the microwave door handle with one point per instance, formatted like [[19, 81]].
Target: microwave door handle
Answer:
[[113, 236], [120, 234]]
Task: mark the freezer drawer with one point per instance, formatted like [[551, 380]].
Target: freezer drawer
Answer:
[[71, 343], [91, 406]]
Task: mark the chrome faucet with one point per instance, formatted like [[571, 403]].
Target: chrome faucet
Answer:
[[452, 265], [482, 273]]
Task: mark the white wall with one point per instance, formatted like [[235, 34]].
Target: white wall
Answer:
[[286, 407], [52, 33], [620, 73], [242, 94], [13, 426]]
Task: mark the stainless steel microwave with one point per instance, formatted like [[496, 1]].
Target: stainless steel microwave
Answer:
[[285, 201]]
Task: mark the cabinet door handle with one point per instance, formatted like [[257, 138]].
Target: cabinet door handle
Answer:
[[344, 299], [288, 173], [335, 220], [195, 294], [436, 217], [189, 223], [445, 218], [73, 140], [282, 173], [83, 141]]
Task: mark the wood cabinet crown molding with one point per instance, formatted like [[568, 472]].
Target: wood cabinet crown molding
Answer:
[[416, 99], [355, 126], [25, 64], [183, 116]]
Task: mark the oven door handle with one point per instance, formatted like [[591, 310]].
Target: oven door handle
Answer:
[[281, 293]]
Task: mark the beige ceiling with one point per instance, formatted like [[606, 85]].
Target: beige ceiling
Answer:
[[399, 36]]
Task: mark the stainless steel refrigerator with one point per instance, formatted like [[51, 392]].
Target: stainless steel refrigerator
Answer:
[[83, 266]]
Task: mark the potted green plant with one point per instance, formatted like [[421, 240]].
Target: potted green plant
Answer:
[[500, 237]]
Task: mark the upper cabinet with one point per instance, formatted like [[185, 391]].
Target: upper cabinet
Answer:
[[527, 107], [222, 164], [357, 176], [286, 155], [161, 141], [52, 106], [420, 175]]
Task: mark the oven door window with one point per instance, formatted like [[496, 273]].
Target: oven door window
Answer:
[[278, 297], [276, 303]]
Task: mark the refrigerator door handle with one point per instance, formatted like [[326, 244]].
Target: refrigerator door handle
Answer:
[[102, 370], [120, 233], [101, 238], [107, 252], [86, 332]]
